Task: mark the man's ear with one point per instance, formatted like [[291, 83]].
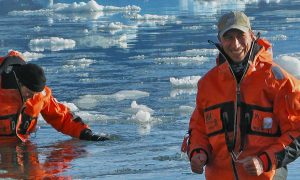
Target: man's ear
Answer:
[[253, 37]]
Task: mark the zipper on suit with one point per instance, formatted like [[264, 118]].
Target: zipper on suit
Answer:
[[237, 102]]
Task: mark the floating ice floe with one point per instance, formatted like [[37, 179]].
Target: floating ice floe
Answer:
[[179, 92], [290, 63], [119, 25], [201, 52], [138, 57], [142, 116], [129, 94], [151, 20], [209, 8], [87, 116], [37, 29], [186, 109], [129, 8], [91, 6], [52, 44], [193, 28], [189, 81], [80, 8], [182, 60], [138, 107], [104, 42], [93, 116], [78, 63], [292, 19], [29, 56], [40, 12], [115, 27], [151, 17], [90, 101], [278, 37], [145, 121]]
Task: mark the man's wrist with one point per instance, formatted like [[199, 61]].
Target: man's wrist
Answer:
[[266, 162], [86, 134]]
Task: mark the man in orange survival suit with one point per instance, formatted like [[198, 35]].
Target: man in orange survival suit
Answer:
[[24, 95], [246, 123]]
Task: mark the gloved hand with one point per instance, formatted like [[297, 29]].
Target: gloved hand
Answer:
[[252, 165], [88, 135], [198, 162]]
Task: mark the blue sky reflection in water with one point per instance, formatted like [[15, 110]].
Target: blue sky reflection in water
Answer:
[[130, 68]]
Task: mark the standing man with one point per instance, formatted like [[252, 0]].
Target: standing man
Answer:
[[24, 95], [246, 124]]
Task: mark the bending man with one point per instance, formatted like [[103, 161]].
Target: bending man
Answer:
[[24, 95]]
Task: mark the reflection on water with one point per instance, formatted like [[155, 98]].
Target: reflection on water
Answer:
[[129, 69], [24, 161]]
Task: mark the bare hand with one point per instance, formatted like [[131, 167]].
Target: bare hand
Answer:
[[198, 162], [252, 165]]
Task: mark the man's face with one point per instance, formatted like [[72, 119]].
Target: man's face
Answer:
[[27, 93], [237, 43]]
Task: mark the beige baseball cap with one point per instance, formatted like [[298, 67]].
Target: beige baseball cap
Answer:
[[233, 20]]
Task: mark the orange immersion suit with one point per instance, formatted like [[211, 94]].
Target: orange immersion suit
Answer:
[[18, 119], [258, 116]]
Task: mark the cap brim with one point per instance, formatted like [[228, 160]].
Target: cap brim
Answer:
[[242, 28]]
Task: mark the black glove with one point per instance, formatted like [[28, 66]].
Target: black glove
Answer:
[[88, 135]]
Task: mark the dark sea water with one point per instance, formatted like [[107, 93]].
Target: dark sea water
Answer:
[[128, 68]]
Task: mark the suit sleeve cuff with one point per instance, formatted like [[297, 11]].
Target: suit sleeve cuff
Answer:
[[266, 161]]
